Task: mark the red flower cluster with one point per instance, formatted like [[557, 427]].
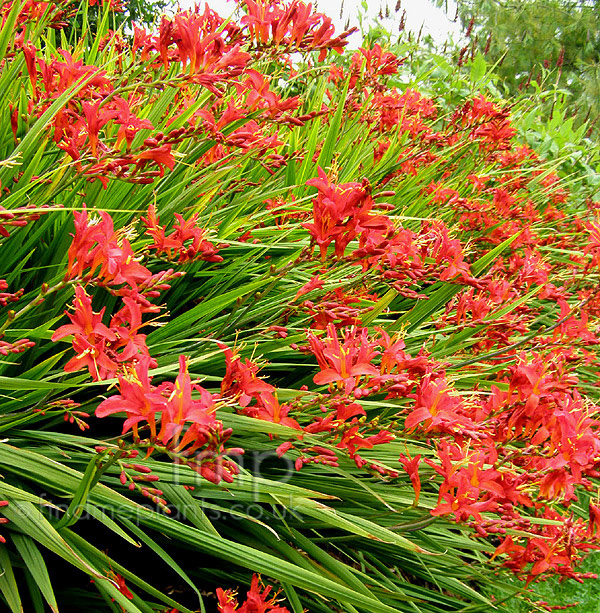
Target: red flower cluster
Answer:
[[178, 424], [175, 422], [343, 213], [258, 600], [294, 26], [256, 397], [187, 242]]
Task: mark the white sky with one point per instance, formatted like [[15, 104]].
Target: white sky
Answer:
[[419, 13]]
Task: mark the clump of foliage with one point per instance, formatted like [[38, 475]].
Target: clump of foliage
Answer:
[[285, 314]]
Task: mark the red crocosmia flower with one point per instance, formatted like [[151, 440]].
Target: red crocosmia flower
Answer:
[[71, 71], [314, 283], [187, 242], [594, 522], [119, 265], [267, 407], [114, 5], [122, 586], [566, 541], [186, 426], [347, 410], [257, 397], [353, 440], [29, 52], [138, 398], [129, 123], [593, 246], [126, 323], [86, 242], [161, 243], [161, 156], [96, 117], [375, 61], [469, 487], [241, 379], [233, 60], [342, 213], [90, 337], [411, 466], [495, 134], [508, 546], [447, 252], [345, 362], [196, 43], [393, 351], [437, 409], [95, 246], [143, 40], [258, 95], [227, 602], [480, 108], [182, 410], [259, 18], [257, 600]]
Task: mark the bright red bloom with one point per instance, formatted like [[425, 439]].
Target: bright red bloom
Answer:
[[469, 487], [96, 117], [161, 156], [187, 242], [411, 466], [183, 425], [138, 399], [130, 123], [593, 246], [267, 407], [594, 521], [95, 246], [122, 586], [437, 408], [344, 362], [257, 600], [353, 440], [342, 213], [90, 338], [241, 379], [85, 248], [182, 410]]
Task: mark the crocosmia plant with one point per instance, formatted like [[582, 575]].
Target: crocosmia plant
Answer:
[[278, 332]]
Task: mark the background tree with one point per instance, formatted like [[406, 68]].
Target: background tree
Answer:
[[122, 13], [555, 41]]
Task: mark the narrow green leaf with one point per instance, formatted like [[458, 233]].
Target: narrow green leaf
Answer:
[[7, 29], [76, 506], [326, 154], [8, 584], [30, 521], [34, 561], [163, 555]]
